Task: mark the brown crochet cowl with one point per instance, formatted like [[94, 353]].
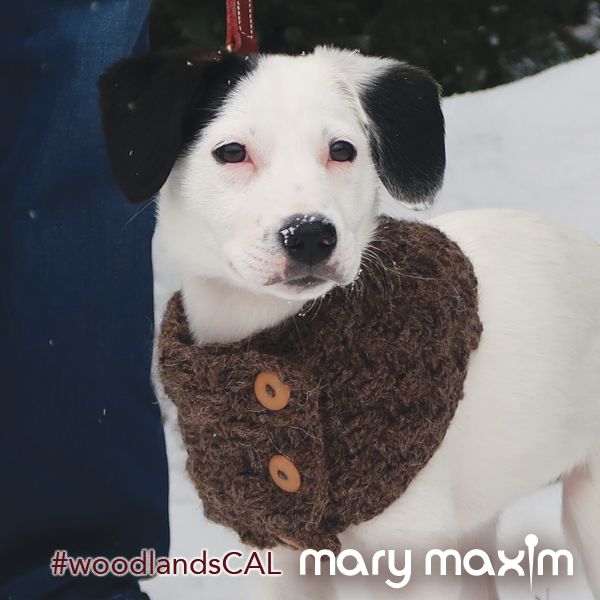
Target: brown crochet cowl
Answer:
[[374, 374]]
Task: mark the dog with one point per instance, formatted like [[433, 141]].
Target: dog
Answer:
[[268, 173]]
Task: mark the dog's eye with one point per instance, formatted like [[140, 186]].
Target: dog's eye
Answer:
[[342, 151], [230, 153]]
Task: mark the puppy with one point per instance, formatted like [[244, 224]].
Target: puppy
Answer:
[[268, 172]]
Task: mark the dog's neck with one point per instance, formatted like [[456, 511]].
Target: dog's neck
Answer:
[[220, 313]]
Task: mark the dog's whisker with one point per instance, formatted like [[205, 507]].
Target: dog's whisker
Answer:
[[139, 211]]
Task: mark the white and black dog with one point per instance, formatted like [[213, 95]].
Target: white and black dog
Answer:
[[267, 171]]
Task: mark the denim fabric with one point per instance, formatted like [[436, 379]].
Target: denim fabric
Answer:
[[82, 454]]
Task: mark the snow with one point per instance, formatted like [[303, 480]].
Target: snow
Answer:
[[534, 145]]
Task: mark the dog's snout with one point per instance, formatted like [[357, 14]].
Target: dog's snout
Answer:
[[308, 239]]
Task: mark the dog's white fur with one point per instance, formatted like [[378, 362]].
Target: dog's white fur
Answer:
[[531, 409], [223, 220]]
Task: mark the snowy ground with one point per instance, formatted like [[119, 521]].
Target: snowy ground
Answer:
[[533, 144]]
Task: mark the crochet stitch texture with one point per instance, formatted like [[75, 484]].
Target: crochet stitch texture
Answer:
[[375, 372]]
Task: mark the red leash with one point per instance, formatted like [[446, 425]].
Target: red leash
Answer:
[[240, 27]]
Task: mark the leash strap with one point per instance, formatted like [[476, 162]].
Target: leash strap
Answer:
[[240, 27]]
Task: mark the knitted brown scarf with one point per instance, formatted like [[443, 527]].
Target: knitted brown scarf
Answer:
[[351, 401]]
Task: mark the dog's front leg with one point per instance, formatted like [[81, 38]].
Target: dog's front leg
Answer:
[[290, 584], [484, 538]]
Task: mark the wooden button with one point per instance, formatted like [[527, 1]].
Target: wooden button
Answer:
[[270, 391], [284, 473]]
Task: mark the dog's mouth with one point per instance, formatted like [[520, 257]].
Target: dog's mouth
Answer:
[[306, 282], [308, 278]]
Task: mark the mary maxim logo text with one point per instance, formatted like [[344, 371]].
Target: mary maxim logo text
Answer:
[[530, 562]]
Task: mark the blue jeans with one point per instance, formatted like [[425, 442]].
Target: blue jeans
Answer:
[[82, 455]]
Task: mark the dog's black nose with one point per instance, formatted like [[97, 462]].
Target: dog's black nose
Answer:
[[309, 239]]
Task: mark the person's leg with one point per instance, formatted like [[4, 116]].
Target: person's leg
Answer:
[[81, 441]]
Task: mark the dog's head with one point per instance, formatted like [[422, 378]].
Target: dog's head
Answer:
[[269, 166]]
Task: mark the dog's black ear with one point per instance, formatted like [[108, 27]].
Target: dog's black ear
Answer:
[[406, 126], [153, 105], [144, 101]]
